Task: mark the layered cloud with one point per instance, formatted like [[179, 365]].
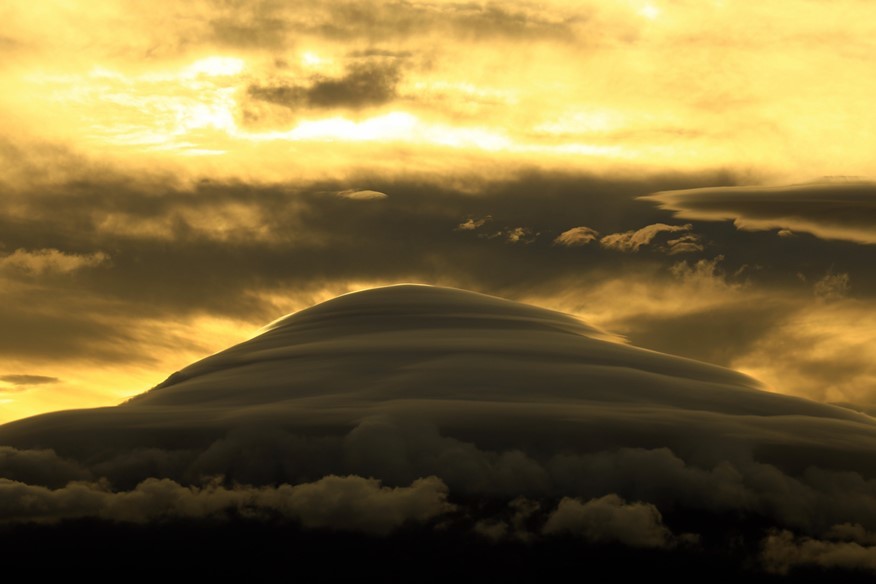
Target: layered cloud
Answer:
[[832, 210]]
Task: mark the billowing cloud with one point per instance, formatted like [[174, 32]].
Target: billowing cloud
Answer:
[[576, 236], [632, 241], [834, 210], [40, 467], [348, 503], [610, 519], [782, 552]]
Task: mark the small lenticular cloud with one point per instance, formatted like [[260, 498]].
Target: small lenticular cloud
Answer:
[[363, 195]]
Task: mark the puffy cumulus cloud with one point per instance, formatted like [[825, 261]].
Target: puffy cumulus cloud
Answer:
[[632, 241], [576, 236], [832, 286], [833, 210], [782, 552], [41, 261], [347, 503], [610, 519]]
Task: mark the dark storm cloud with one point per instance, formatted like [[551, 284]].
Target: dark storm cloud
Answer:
[[833, 210], [23, 379], [363, 85]]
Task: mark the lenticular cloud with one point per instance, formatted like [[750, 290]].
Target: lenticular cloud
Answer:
[[420, 399]]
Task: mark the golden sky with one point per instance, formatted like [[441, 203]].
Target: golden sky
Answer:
[[176, 175]]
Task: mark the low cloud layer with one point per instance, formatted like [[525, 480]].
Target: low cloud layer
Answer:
[[347, 503], [783, 552], [610, 519]]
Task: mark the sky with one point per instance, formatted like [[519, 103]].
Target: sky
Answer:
[[691, 177], [691, 181]]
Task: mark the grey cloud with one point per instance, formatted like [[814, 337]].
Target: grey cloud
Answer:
[[347, 503], [836, 210], [40, 467], [27, 380], [632, 241], [293, 241], [610, 519], [782, 551], [576, 236], [363, 85]]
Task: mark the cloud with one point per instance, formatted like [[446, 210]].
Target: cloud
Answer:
[[347, 503], [41, 261], [690, 243], [833, 210], [363, 85], [27, 380], [832, 286], [362, 195], [40, 467], [782, 551], [610, 519], [471, 223], [520, 235], [576, 236], [632, 241]]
